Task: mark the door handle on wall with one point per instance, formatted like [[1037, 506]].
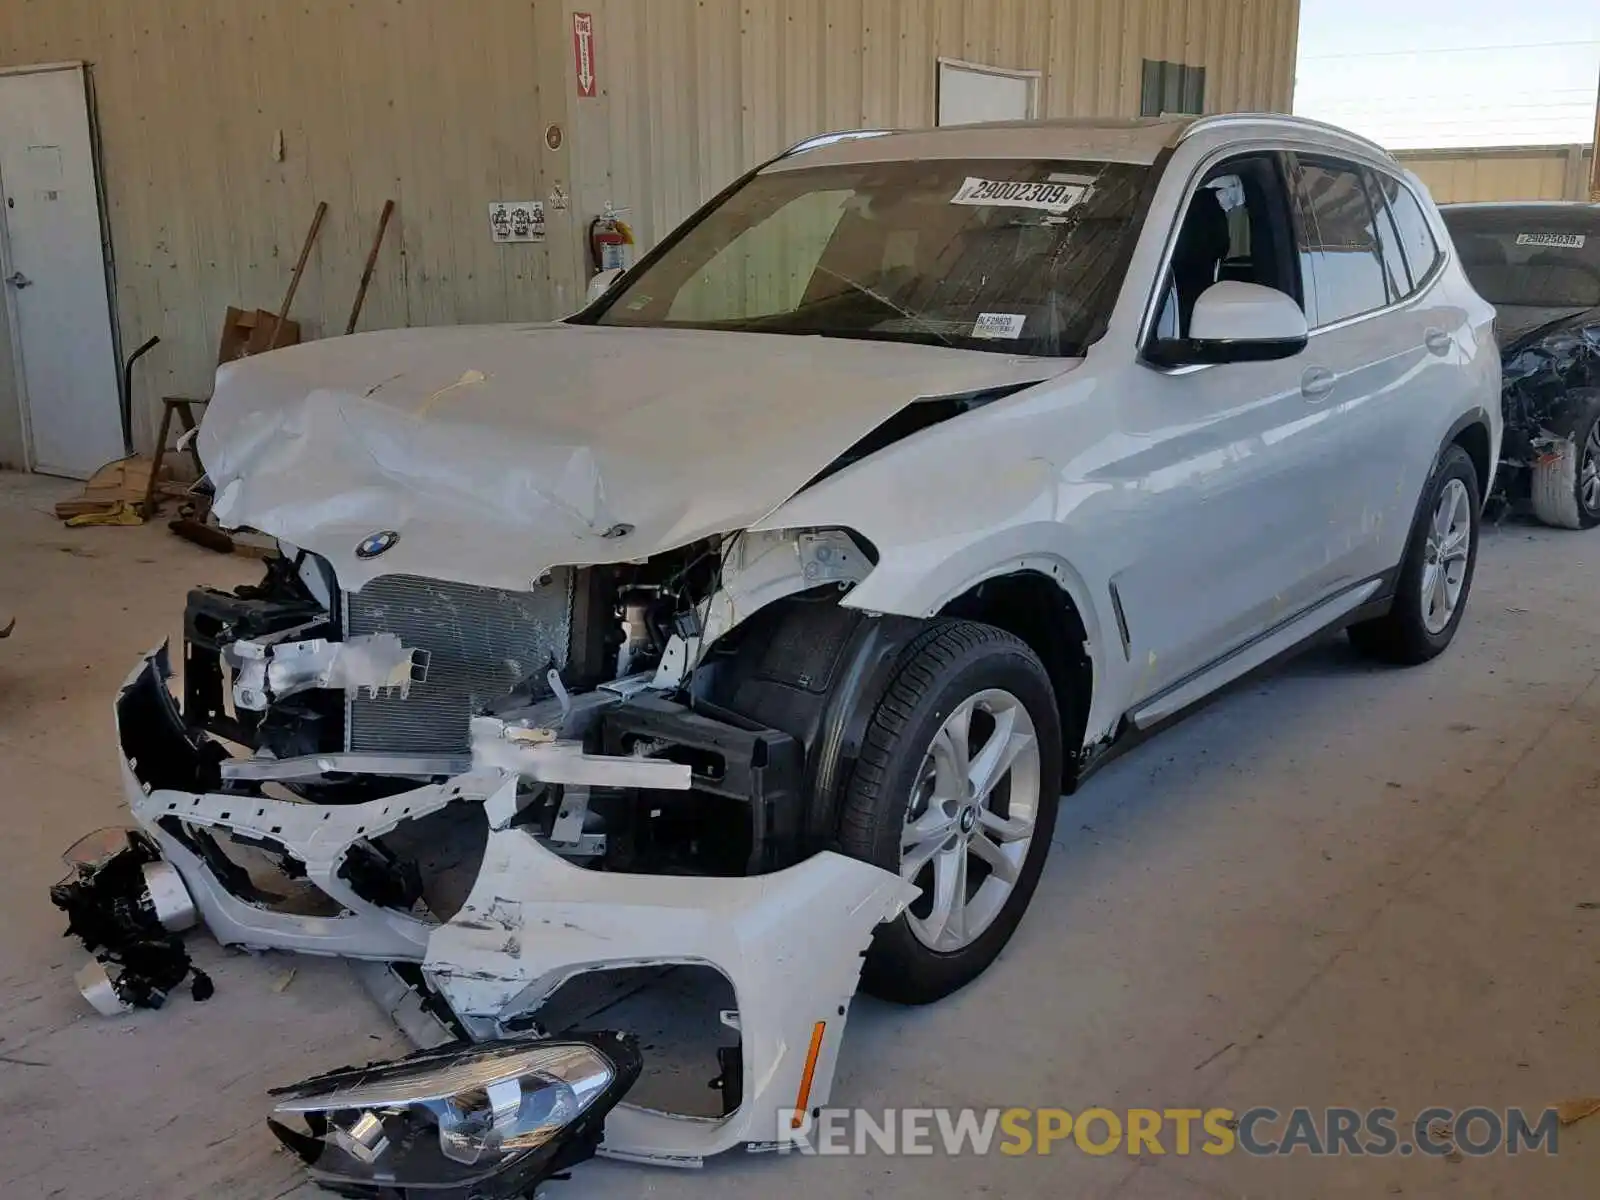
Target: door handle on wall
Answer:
[[1317, 382], [1437, 341], [18, 280]]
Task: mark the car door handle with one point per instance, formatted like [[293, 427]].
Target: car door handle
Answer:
[[18, 280], [1438, 341], [1317, 382]]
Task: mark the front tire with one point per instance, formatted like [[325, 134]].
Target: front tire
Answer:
[[955, 789], [1436, 575], [1566, 480]]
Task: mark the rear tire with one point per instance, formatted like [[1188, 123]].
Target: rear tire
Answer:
[[1566, 478], [922, 803], [1431, 593]]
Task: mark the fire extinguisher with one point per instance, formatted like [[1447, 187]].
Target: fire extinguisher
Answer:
[[610, 241]]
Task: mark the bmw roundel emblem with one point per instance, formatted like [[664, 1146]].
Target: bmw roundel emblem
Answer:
[[375, 544]]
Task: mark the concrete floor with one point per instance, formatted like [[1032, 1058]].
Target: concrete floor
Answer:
[[1341, 885]]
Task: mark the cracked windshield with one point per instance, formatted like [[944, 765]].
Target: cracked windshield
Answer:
[[1018, 257]]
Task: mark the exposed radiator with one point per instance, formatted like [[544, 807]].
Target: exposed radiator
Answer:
[[481, 642]]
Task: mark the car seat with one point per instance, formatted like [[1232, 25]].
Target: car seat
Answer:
[[1202, 246]]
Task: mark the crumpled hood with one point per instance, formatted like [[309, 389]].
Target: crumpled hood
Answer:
[[498, 452], [1515, 321]]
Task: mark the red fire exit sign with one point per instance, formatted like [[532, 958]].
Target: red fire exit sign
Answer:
[[583, 54]]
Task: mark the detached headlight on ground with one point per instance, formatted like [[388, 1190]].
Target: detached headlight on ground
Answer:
[[495, 1118]]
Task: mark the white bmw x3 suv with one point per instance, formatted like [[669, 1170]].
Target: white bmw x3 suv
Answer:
[[762, 611]]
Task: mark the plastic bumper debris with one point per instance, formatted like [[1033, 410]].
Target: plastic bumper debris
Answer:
[[127, 906], [789, 942]]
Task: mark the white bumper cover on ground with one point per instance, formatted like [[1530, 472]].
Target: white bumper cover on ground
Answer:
[[789, 943]]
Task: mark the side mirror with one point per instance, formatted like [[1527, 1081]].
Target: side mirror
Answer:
[[1236, 322], [601, 283]]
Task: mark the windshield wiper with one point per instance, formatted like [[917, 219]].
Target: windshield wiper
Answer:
[[873, 293]]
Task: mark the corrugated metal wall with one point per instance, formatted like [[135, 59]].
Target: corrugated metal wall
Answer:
[[693, 91], [443, 106], [1503, 173]]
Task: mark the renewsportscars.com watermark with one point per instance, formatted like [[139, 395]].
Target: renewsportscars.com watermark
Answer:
[[1259, 1132]]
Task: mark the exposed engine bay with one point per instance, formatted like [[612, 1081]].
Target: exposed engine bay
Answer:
[[492, 794], [1551, 376], [344, 698]]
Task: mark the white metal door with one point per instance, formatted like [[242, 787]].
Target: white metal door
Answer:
[[973, 92], [53, 259]]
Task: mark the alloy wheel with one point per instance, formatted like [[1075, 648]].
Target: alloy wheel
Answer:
[[1444, 564], [971, 818], [1589, 471]]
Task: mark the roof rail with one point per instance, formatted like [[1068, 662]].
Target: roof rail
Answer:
[[817, 141], [1216, 119]]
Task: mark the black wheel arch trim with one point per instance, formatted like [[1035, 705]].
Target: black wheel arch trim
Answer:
[[1379, 604], [1476, 416]]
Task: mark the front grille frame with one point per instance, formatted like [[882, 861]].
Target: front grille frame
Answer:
[[492, 640]]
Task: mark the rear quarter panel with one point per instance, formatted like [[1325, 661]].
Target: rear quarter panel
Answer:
[[1476, 350]]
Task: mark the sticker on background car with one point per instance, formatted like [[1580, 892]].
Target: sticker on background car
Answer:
[[1567, 241]]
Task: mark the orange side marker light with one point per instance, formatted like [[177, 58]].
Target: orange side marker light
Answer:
[[801, 1101]]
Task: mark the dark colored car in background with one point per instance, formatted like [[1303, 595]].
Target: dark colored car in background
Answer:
[[1539, 265]]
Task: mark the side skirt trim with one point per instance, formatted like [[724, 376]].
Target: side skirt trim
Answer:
[[1130, 735], [1253, 654]]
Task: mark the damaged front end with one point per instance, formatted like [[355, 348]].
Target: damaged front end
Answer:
[[1550, 381], [502, 794]]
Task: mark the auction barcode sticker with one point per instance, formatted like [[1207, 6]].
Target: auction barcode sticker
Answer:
[[1567, 241], [1008, 193], [999, 325]]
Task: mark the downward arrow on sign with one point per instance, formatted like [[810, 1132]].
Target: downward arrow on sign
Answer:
[[583, 53]]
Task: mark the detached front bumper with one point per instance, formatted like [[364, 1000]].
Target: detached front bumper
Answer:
[[789, 942]]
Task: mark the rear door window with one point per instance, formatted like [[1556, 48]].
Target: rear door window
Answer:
[[1416, 238], [1339, 251], [1394, 258]]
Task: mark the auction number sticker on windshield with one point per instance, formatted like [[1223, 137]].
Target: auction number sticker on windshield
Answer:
[[999, 325], [1567, 241], [1009, 193]]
